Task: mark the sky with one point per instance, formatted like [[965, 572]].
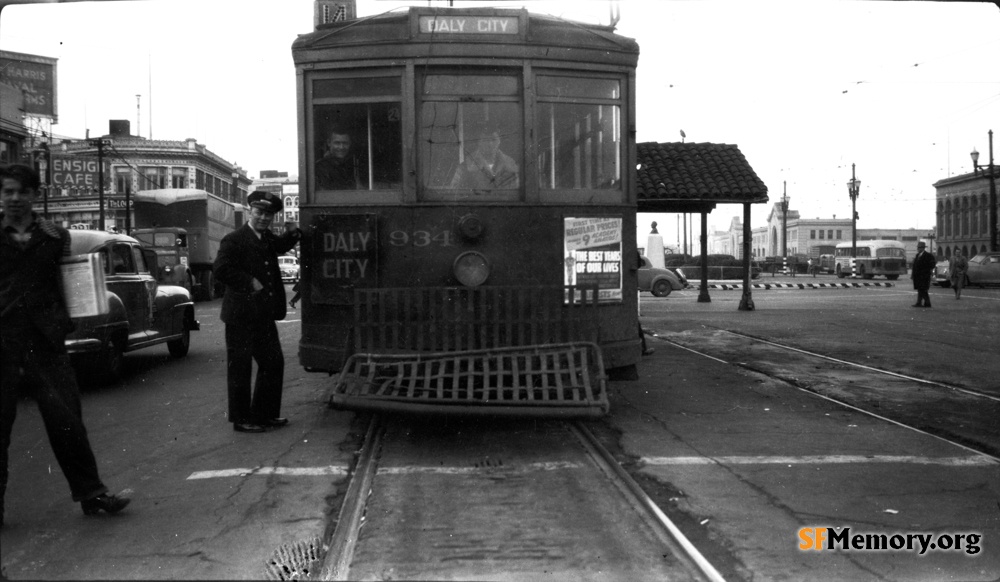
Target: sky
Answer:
[[805, 88]]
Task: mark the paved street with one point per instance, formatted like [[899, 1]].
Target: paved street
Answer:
[[740, 459]]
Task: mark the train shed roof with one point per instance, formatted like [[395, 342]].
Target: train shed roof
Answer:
[[694, 177]]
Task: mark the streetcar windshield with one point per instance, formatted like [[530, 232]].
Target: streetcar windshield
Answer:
[[471, 131], [578, 135]]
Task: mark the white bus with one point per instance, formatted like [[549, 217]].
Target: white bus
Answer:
[[874, 257]]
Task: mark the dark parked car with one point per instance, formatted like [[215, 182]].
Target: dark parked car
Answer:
[[984, 269], [141, 312], [660, 282]]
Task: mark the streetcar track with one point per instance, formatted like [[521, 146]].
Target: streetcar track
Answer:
[[864, 367], [340, 553], [841, 402]]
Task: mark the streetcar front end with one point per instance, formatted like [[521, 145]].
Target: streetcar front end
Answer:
[[470, 220]]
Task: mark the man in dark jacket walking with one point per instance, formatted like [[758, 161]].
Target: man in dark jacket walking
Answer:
[[33, 330], [255, 298], [922, 272]]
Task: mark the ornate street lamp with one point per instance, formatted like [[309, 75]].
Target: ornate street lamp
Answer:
[[993, 192], [853, 189], [784, 221]]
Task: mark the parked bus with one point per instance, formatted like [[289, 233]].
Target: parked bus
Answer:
[[468, 195], [874, 258]]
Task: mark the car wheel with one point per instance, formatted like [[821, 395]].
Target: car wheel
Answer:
[[661, 289], [840, 274], [892, 277], [179, 347]]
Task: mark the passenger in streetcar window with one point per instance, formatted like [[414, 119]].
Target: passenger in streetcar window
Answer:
[[339, 168], [485, 166]]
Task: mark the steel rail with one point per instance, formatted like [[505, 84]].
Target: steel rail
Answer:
[[845, 404], [864, 367], [666, 529], [337, 560]]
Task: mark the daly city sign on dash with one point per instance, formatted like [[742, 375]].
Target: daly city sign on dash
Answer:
[[469, 25], [345, 252]]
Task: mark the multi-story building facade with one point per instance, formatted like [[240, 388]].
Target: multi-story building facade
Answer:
[[808, 237], [71, 171], [963, 212]]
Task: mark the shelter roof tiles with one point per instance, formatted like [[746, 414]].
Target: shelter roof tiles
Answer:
[[702, 172]]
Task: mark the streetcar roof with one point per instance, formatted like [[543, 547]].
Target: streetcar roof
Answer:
[[396, 28]]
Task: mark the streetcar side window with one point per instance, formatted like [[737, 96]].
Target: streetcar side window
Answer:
[[471, 137], [357, 134], [578, 128]]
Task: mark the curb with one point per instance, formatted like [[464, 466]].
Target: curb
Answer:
[[727, 286]]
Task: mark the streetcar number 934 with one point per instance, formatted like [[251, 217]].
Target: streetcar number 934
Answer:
[[421, 238]]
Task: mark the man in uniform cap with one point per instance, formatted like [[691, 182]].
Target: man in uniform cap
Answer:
[[255, 298], [922, 273]]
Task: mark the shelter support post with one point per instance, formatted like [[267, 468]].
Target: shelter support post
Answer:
[[703, 292], [746, 302]]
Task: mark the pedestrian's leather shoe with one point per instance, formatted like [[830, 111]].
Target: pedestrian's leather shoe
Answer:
[[276, 422], [104, 502], [247, 427]]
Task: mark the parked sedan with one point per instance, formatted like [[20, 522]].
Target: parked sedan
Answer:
[[289, 266], [660, 282], [984, 269], [141, 313], [942, 273]]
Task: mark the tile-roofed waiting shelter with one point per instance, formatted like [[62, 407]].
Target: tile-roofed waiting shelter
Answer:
[[694, 177]]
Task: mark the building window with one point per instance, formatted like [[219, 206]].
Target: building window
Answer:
[[199, 179], [839, 235], [821, 233], [123, 180], [812, 234], [178, 178], [153, 177]]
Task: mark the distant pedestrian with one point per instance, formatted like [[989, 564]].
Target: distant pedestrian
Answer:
[[298, 294], [957, 267], [922, 272], [35, 321], [255, 298]]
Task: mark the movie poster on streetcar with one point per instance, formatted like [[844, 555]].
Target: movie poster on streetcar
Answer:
[[593, 255]]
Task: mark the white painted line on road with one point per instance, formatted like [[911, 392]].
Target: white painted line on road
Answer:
[[530, 467], [295, 471], [972, 461]]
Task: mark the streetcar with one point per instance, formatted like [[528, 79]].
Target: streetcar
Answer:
[[874, 258], [468, 198]]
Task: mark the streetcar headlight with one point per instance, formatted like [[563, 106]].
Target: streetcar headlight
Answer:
[[471, 268]]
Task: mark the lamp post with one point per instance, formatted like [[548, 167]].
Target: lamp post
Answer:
[[993, 192], [853, 189], [784, 221]]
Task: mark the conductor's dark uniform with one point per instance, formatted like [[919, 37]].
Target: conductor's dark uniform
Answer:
[[921, 273], [255, 298]]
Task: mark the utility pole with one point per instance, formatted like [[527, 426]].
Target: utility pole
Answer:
[[48, 179], [100, 143]]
